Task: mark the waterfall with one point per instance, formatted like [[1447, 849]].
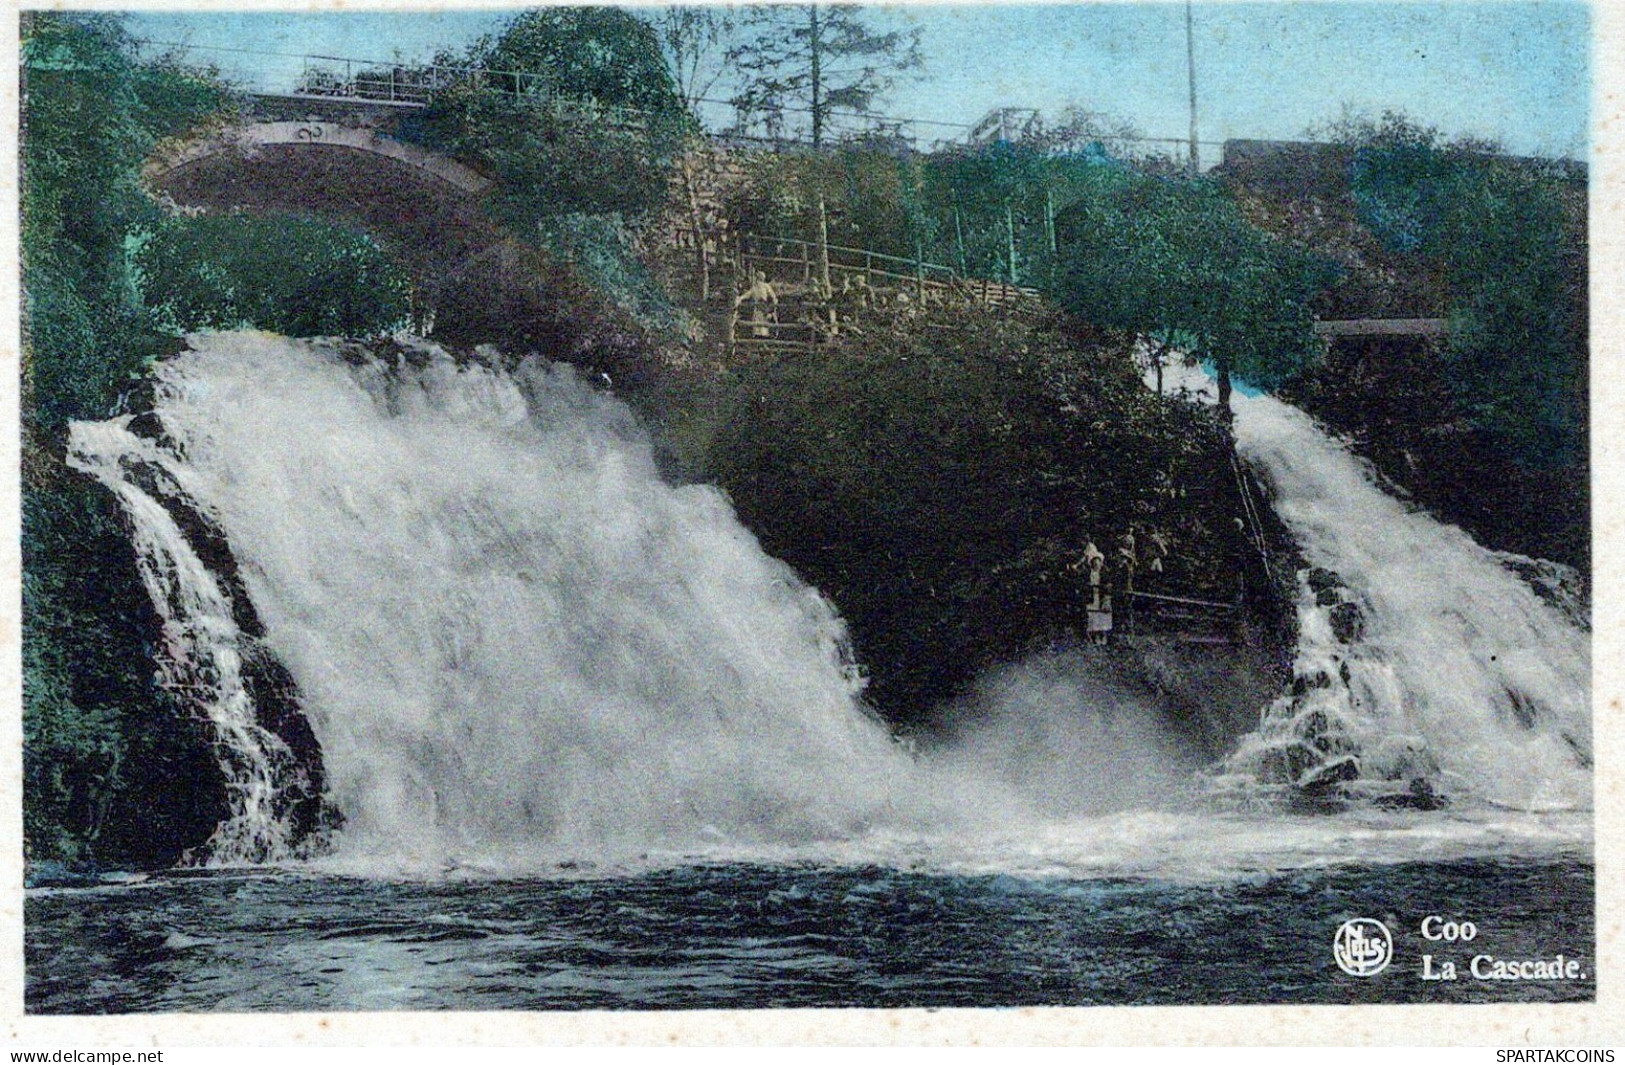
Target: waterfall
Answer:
[[204, 648], [508, 632], [515, 643], [1422, 656]]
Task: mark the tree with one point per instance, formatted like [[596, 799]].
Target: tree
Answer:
[[603, 54], [1176, 261], [1510, 234], [696, 42], [826, 55], [531, 107], [285, 273]]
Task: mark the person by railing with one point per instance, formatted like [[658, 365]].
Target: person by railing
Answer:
[[764, 304]]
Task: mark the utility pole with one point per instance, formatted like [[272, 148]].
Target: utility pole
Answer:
[[815, 44], [1190, 66]]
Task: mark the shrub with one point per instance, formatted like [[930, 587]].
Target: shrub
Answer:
[[936, 480]]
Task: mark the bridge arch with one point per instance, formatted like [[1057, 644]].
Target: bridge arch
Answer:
[[243, 141], [426, 209]]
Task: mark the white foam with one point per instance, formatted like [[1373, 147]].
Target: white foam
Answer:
[[518, 647]]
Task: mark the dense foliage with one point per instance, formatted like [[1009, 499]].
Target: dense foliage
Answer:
[[1177, 259], [524, 300], [90, 115], [288, 274], [1487, 426], [937, 479], [1510, 235], [605, 54], [573, 111]]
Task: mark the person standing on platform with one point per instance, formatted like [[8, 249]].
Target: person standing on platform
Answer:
[[764, 304]]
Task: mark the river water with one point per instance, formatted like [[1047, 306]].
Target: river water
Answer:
[[756, 936], [591, 747]]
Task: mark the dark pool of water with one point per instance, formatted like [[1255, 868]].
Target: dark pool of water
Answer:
[[748, 936]]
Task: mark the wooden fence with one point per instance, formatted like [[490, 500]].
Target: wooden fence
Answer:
[[809, 280]]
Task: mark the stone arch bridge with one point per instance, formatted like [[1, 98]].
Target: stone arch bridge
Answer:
[[337, 159], [425, 208]]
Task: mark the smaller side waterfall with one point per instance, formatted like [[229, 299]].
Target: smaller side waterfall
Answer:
[[205, 648], [1425, 661]]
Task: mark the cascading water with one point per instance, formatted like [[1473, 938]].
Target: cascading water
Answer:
[[204, 647], [1422, 656], [508, 632], [527, 659], [516, 644]]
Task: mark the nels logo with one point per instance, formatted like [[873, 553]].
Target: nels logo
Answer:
[[1363, 947]]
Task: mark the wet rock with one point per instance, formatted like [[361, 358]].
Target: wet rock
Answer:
[[1321, 580], [1400, 758], [1330, 773], [1421, 795], [1348, 623], [1273, 767], [1290, 763], [1302, 683]]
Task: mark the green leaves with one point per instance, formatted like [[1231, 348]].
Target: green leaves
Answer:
[[1510, 235], [571, 109], [284, 273], [603, 53], [1162, 256]]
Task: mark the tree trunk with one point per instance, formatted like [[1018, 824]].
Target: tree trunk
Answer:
[[817, 77], [1224, 387], [1010, 235], [696, 222]]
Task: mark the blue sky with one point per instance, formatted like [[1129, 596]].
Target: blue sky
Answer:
[[1516, 71]]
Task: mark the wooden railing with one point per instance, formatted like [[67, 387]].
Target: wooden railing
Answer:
[[1191, 620], [808, 312]]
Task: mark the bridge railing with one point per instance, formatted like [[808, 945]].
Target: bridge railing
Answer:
[[337, 78], [340, 77]]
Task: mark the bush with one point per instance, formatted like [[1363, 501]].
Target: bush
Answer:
[[1510, 236], [284, 273], [937, 479]]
